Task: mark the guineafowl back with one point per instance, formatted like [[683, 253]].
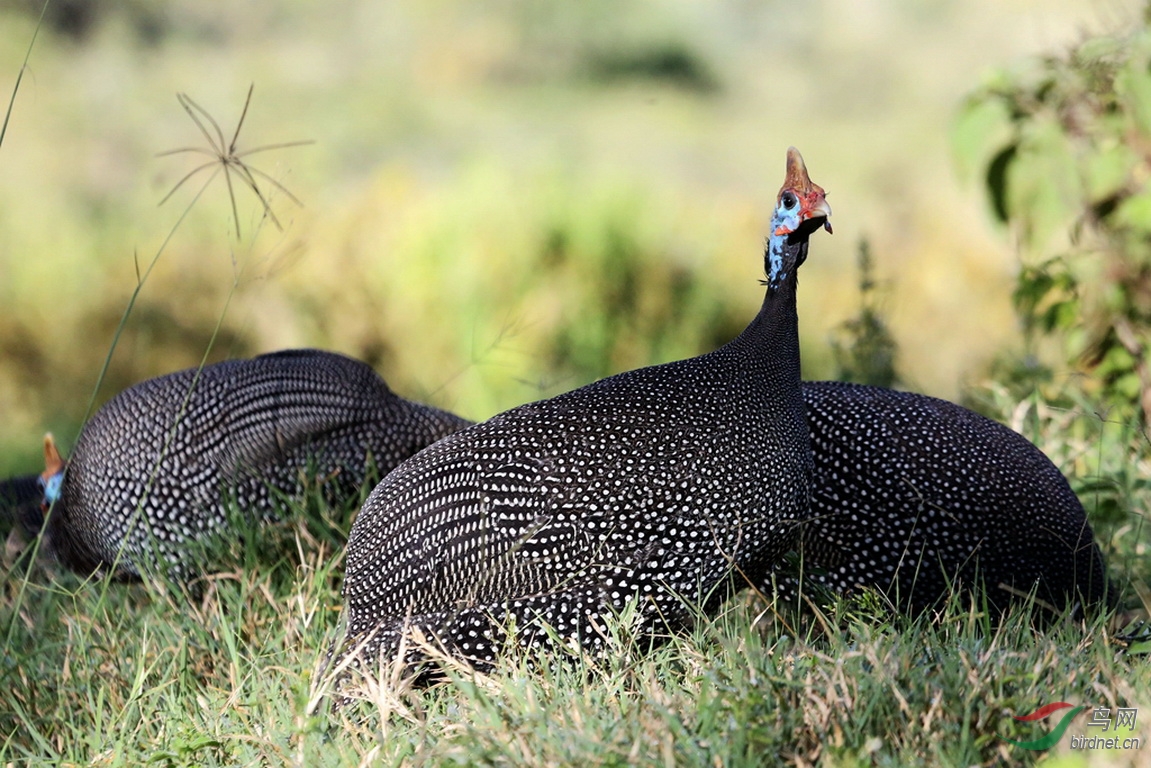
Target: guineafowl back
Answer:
[[918, 497], [156, 465], [636, 468]]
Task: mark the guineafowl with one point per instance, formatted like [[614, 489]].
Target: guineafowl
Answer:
[[155, 467], [664, 487], [20, 502], [918, 497]]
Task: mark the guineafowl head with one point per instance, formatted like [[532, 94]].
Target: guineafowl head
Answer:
[[52, 478], [800, 208], [26, 499]]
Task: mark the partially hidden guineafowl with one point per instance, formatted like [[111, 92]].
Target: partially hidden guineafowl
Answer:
[[155, 468], [664, 487], [21, 500], [920, 498]]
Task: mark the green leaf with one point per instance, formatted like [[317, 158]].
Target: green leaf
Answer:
[[1043, 186], [1133, 86], [1106, 171], [982, 127], [996, 181], [1135, 212], [1143, 646], [1063, 314]]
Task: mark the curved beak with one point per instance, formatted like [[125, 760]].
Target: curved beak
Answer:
[[815, 207]]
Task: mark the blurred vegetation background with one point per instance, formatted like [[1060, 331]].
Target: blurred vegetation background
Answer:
[[505, 199], [1064, 149]]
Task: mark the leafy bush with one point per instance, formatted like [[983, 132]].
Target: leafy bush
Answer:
[[1063, 148]]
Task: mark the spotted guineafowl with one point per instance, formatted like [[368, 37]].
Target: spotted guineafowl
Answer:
[[20, 503], [918, 497], [156, 466], [665, 486]]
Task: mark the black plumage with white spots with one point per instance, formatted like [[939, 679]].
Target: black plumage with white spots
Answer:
[[154, 468], [918, 498], [666, 486]]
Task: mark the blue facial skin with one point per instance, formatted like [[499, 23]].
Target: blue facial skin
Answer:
[[51, 488], [784, 221]]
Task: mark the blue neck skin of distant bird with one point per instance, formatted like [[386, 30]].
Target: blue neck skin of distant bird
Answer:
[[51, 487]]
